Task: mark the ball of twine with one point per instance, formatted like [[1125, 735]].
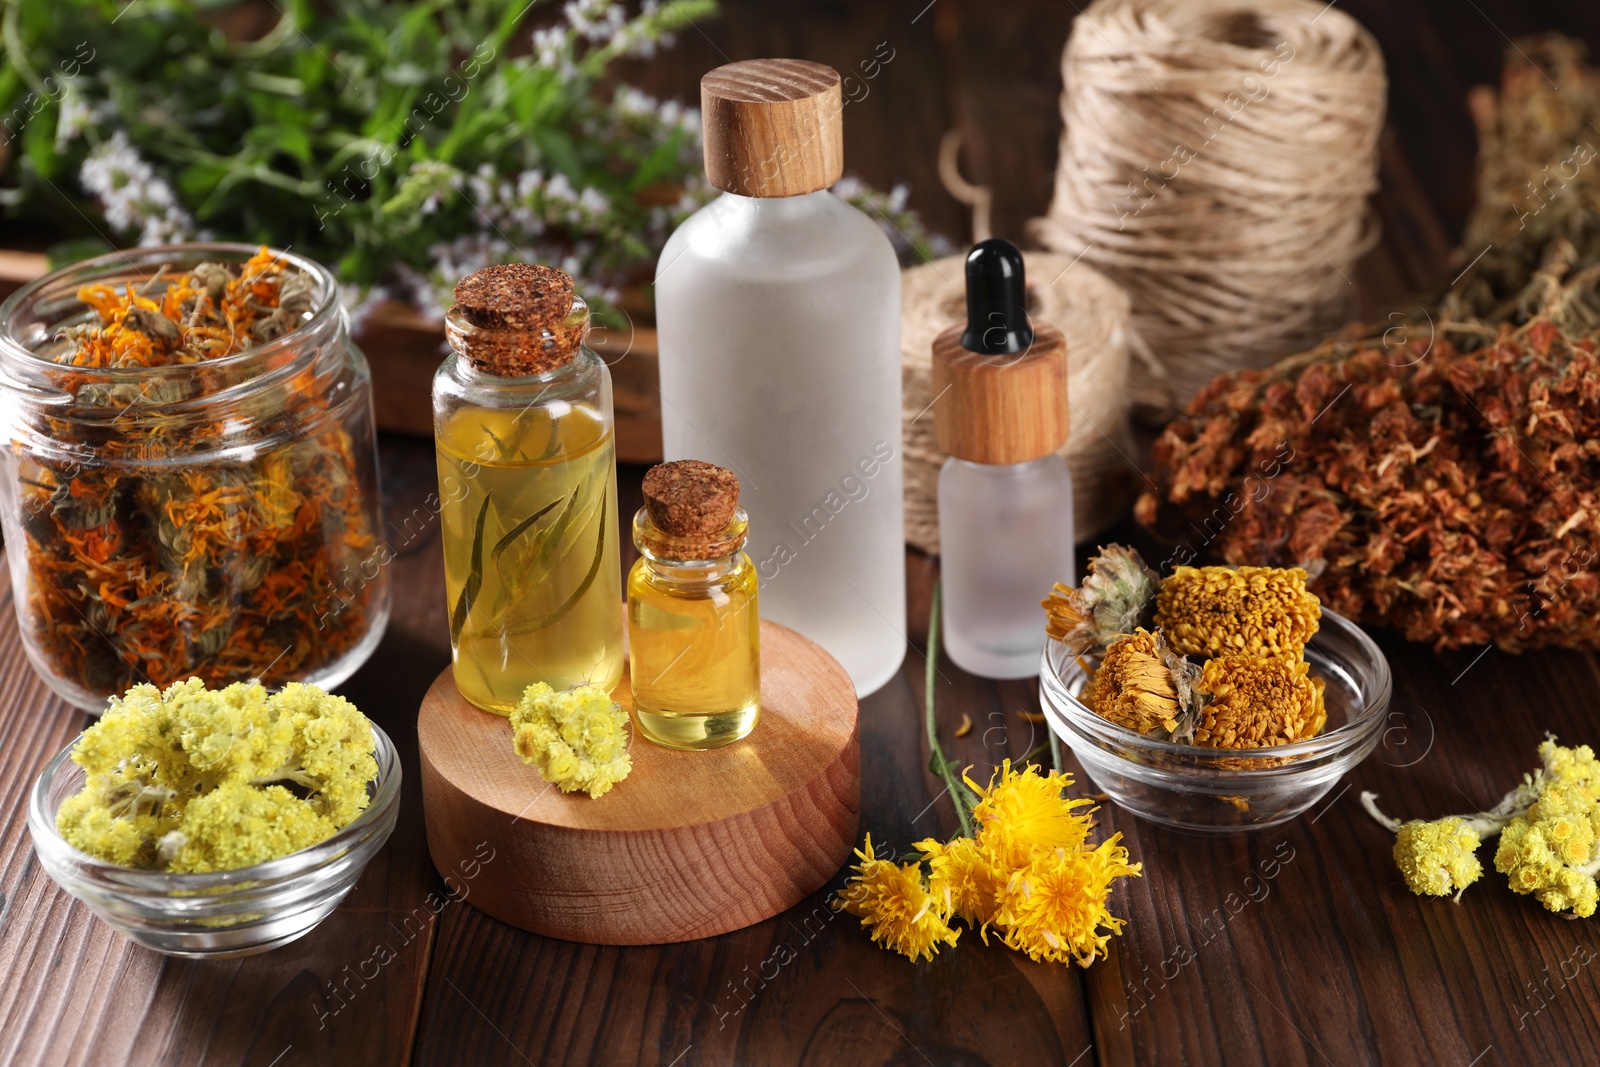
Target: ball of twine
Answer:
[[1216, 163], [1092, 314]]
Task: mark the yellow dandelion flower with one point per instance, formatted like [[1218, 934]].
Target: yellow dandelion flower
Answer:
[[1133, 686], [1055, 908], [1023, 813], [1213, 611], [895, 907], [1259, 701], [963, 882]]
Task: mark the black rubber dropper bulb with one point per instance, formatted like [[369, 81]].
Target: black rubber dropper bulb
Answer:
[[997, 300]]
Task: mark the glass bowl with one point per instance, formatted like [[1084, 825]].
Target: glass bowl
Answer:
[[222, 913], [1222, 791]]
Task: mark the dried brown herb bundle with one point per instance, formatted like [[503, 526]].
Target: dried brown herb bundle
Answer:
[[1448, 484]]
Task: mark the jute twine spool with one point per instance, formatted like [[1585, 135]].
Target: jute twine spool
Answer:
[[1216, 163], [1092, 313]]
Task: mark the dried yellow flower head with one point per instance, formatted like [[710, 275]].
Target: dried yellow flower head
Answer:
[[1133, 686], [578, 738], [1257, 701], [1114, 599], [1214, 611], [1438, 857]]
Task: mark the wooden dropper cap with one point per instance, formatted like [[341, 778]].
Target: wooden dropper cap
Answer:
[[772, 127], [999, 380]]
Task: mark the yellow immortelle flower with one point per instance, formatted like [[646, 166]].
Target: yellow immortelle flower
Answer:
[[1054, 909], [1438, 857], [1549, 850], [1133, 687], [578, 738], [1263, 611], [963, 882], [895, 906], [1259, 701], [194, 779]]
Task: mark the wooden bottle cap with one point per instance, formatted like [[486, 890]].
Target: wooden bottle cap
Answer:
[[516, 319], [772, 127], [1001, 408], [692, 506]]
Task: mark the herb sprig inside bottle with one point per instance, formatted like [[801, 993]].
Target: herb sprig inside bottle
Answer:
[[527, 490]]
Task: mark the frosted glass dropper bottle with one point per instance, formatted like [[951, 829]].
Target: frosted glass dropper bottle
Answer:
[[1005, 496], [778, 315]]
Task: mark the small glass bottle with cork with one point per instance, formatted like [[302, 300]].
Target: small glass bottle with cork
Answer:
[[694, 629], [527, 490], [1005, 496]]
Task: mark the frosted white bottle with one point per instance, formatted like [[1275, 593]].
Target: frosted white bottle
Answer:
[[778, 315], [1005, 495], [1005, 535]]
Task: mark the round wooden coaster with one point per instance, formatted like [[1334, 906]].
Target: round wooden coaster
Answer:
[[689, 845]]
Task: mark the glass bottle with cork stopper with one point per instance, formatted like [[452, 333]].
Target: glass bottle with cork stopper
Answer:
[[694, 629], [778, 318], [1005, 496], [525, 439]]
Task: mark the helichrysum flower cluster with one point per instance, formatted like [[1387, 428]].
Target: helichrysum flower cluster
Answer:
[[1250, 626], [577, 738], [1549, 828], [190, 779], [1029, 872]]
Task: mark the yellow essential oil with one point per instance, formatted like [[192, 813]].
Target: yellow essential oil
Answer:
[[694, 627], [527, 491]]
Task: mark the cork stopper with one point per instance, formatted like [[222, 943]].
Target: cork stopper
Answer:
[[692, 507], [1008, 408], [517, 319], [772, 127]]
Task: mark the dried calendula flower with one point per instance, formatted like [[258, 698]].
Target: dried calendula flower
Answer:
[[1214, 611], [1257, 701], [1136, 685], [1113, 600]]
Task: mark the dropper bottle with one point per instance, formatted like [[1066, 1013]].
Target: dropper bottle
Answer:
[[1005, 496]]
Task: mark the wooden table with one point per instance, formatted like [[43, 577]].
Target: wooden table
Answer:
[[1294, 946]]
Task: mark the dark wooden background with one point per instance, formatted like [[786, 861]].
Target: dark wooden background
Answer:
[[1295, 946]]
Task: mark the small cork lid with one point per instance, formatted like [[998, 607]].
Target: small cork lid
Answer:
[[517, 319], [1006, 408], [691, 505], [772, 127]]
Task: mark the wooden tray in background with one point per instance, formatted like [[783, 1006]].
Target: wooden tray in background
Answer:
[[405, 348]]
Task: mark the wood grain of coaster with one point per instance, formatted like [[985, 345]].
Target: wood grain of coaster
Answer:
[[689, 845]]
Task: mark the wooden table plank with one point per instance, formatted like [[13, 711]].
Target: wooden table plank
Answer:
[[1333, 960]]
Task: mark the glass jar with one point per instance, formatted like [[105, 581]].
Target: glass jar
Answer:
[[528, 513], [215, 519], [694, 637]]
